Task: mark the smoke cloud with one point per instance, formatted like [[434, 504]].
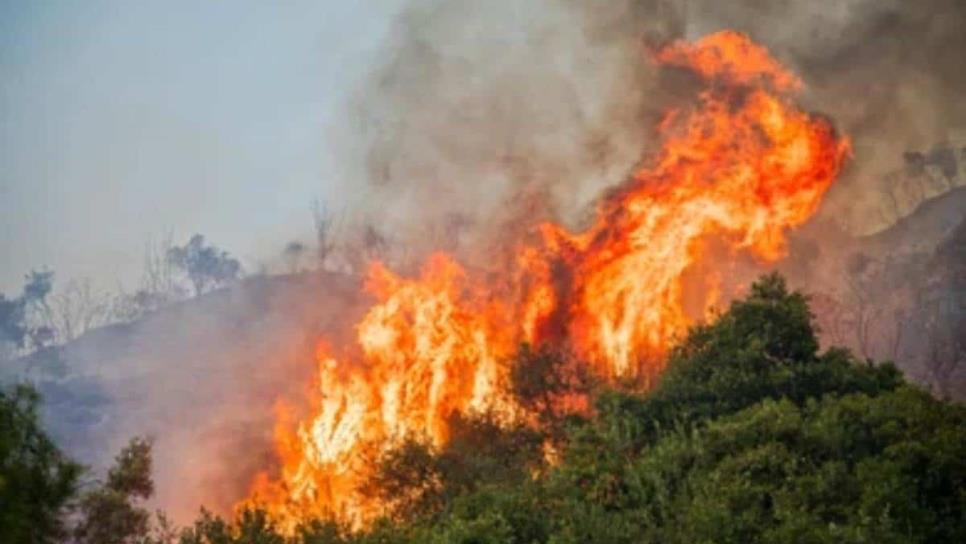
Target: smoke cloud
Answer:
[[479, 105]]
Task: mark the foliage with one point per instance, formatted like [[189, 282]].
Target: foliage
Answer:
[[416, 481], [205, 266], [111, 513], [251, 527], [553, 387], [852, 468], [37, 480], [13, 329], [763, 347], [16, 329]]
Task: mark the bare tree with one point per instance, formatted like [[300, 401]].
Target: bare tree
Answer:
[[945, 355], [78, 308], [943, 342], [159, 283], [863, 313], [326, 225], [371, 245], [159, 276], [869, 312], [942, 313], [889, 208], [293, 253], [832, 319]]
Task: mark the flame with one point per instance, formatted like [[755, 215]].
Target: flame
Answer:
[[742, 166]]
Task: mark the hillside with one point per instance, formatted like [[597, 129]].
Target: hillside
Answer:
[[200, 376], [932, 221]]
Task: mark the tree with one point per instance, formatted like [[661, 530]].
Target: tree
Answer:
[[76, 309], [158, 286], [940, 313], [37, 285], [417, 481], [249, 527], [325, 232], [763, 347], [37, 480], [407, 480], [18, 330], [13, 329], [205, 266], [293, 253], [36, 291], [112, 513], [367, 244], [853, 468], [553, 387]]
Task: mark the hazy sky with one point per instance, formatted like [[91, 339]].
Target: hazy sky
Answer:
[[122, 120]]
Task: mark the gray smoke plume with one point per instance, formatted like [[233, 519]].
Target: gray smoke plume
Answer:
[[480, 104]]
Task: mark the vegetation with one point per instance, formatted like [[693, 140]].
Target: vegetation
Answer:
[[205, 266], [752, 435], [110, 513], [16, 330], [40, 318], [36, 480]]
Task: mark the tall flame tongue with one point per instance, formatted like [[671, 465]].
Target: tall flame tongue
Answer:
[[742, 166]]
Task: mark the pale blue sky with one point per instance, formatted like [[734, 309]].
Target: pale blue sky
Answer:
[[120, 120]]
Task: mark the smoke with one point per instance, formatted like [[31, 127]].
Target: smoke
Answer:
[[200, 377], [485, 116], [485, 113], [482, 108]]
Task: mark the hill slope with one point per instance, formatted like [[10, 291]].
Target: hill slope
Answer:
[[200, 376]]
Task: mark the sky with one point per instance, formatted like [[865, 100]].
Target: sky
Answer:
[[121, 121]]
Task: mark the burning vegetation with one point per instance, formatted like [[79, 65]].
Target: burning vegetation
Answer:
[[736, 169]]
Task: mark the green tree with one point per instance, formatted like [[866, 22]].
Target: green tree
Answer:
[[205, 266], [763, 347], [855, 468], [416, 481], [37, 480], [112, 513], [552, 386]]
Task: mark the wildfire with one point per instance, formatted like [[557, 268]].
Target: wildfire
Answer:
[[740, 167]]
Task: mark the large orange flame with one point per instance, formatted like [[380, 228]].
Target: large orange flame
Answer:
[[740, 167]]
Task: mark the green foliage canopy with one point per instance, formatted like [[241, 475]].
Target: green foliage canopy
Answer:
[[37, 480]]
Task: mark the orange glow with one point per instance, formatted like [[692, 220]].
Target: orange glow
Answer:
[[740, 167]]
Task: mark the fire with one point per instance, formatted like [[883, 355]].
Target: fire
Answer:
[[740, 167]]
